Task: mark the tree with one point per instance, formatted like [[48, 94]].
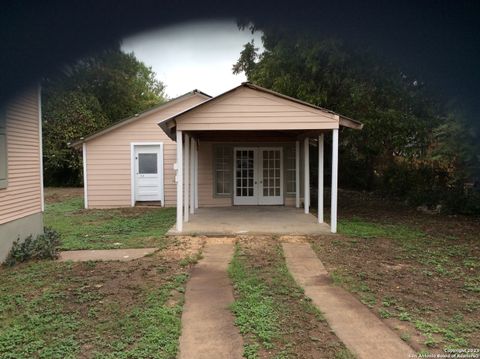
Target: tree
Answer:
[[401, 121], [87, 96]]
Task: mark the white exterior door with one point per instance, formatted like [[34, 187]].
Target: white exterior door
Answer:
[[148, 173], [258, 176], [245, 176], [270, 176]]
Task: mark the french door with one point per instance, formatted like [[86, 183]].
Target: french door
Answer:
[[258, 176]]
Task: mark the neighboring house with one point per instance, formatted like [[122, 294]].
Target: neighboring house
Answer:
[[246, 146], [21, 178], [111, 158]]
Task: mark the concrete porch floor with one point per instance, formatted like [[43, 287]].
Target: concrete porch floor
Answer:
[[251, 220]]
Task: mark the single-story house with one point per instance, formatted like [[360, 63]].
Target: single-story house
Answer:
[[21, 177], [246, 147]]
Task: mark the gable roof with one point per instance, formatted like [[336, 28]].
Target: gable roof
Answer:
[[138, 116], [168, 124]]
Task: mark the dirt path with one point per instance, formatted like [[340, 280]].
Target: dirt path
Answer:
[[361, 331], [208, 329], [127, 254]]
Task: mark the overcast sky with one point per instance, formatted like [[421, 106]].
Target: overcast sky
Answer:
[[194, 55]]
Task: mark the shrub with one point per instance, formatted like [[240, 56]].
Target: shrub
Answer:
[[430, 185], [44, 246]]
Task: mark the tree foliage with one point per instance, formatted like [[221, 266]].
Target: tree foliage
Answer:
[[409, 146], [87, 96]]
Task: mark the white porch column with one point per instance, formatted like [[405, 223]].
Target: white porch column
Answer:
[[333, 215], [306, 189], [320, 178], [192, 176], [179, 168], [196, 174], [297, 174], [186, 187]]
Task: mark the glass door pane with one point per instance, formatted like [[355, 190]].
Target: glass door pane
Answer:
[[244, 170], [271, 191], [245, 192]]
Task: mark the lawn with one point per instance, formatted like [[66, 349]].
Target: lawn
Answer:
[[271, 311], [105, 228], [95, 309], [420, 273]]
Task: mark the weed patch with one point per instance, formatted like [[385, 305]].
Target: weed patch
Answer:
[[254, 310], [271, 311]]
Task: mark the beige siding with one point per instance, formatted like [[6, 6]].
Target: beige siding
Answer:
[[109, 158], [205, 179], [248, 109], [23, 195]]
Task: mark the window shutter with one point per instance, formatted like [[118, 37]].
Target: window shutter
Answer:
[[3, 149]]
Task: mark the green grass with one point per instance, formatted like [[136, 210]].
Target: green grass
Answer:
[[255, 311], [150, 330], [108, 228], [55, 313], [272, 311], [356, 227], [38, 325]]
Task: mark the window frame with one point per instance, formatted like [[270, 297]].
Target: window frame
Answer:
[[290, 150], [229, 168], [145, 155]]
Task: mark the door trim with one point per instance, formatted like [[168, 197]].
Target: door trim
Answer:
[[258, 166], [132, 170]]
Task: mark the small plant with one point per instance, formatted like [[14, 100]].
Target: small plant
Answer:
[[472, 284], [430, 341], [471, 263], [388, 301], [190, 260], [405, 316], [368, 299], [384, 313], [405, 337], [90, 264], [250, 351], [344, 354], [44, 246]]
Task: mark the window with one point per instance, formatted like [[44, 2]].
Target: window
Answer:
[[147, 163], [3, 149], [223, 170], [290, 169]]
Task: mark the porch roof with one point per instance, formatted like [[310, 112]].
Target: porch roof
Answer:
[[250, 107]]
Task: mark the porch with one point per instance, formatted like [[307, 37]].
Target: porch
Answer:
[[237, 220], [247, 148]]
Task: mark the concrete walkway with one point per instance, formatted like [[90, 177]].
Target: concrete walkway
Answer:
[[105, 254], [362, 332], [208, 329]]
